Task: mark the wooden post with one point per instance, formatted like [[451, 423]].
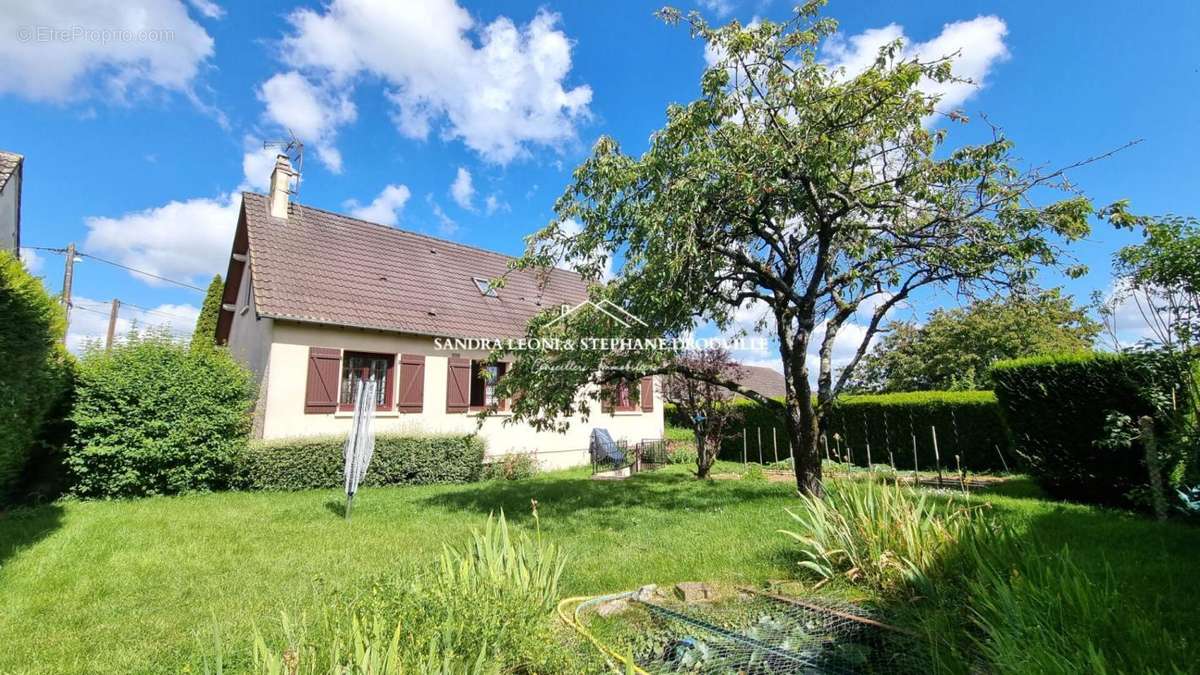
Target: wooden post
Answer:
[[68, 280], [758, 432], [916, 478], [112, 324], [774, 445], [1002, 462], [744, 462], [937, 456], [868, 456], [962, 475]]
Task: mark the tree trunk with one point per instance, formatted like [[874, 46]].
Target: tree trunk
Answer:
[[801, 418], [702, 462], [806, 455]]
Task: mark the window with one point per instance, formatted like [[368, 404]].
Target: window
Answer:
[[485, 287], [617, 397], [483, 384], [358, 366], [623, 401]]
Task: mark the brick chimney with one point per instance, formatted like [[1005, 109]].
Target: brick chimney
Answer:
[[281, 181]]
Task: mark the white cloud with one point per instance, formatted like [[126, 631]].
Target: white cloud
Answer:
[[499, 88], [89, 321], [187, 240], [312, 113], [208, 8], [447, 226], [462, 190], [384, 209], [1137, 317], [755, 322], [257, 164], [720, 8], [493, 204], [32, 260], [70, 50], [975, 45], [571, 227]]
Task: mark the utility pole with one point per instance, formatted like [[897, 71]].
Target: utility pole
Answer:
[[68, 277], [112, 324]]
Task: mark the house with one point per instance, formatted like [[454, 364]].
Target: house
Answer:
[[766, 381], [11, 167], [315, 299]]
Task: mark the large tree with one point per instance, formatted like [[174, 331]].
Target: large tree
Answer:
[[825, 197], [954, 347]]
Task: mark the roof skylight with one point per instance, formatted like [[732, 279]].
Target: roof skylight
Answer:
[[485, 287]]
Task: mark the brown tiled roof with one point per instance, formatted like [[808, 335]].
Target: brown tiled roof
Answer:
[[323, 267], [9, 161], [766, 381]]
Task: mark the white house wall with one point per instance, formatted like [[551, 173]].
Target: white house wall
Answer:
[[284, 414]]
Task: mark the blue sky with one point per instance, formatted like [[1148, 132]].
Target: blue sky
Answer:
[[134, 146]]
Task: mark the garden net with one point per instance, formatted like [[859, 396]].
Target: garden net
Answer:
[[760, 634]]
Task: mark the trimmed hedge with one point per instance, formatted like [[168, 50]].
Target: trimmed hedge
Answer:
[[1057, 408], [968, 423], [317, 462], [36, 378], [153, 417]]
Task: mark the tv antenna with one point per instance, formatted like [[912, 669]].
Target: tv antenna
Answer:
[[293, 148]]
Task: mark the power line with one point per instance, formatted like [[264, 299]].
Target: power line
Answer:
[[135, 270], [144, 310], [143, 272], [159, 312]]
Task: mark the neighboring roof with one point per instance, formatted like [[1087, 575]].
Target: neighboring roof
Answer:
[[10, 162], [324, 267], [766, 381]]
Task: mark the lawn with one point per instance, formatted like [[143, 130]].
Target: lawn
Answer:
[[143, 586]]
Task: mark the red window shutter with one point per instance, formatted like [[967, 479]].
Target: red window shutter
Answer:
[[458, 385], [647, 394], [412, 383], [321, 389]]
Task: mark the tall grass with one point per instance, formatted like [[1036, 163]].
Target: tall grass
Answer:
[[882, 536], [986, 599], [1033, 611], [484, 608]]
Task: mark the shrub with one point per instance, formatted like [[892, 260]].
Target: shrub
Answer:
[[483, 609], [683, 434], [1065, 413], [37, 377], [515, 466], [152, 417], [883, 536], [317, 462], [969, 424]]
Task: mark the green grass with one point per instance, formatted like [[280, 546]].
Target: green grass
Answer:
[[142, 586]]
